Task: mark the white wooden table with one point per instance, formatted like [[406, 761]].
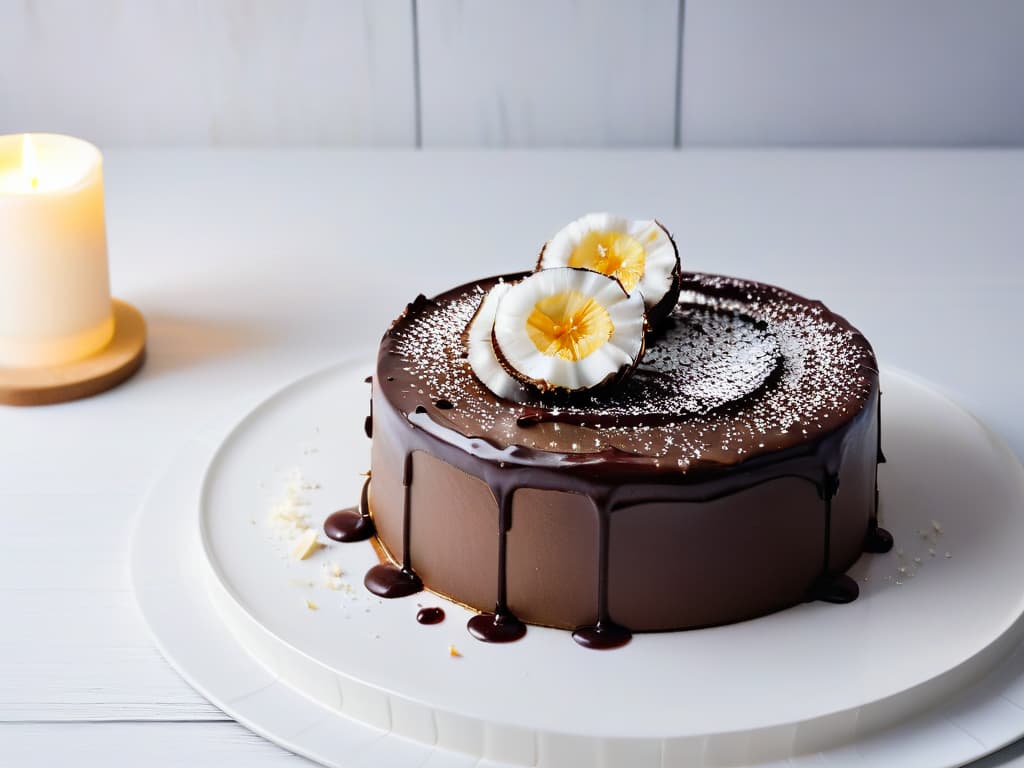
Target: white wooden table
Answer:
[[255, 267]]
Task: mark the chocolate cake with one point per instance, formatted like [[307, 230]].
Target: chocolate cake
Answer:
[[732, 475]]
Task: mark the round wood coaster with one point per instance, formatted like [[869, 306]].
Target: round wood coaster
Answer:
[[113, 364]]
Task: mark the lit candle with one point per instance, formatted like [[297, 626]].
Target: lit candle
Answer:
[[55, 303]]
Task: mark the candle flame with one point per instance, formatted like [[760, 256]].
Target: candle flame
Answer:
[[29, 161]]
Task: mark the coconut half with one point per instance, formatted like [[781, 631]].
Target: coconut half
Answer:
[[485, 364], [639, 254], [569, 329]]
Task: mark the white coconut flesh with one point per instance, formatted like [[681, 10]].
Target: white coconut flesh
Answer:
[[639, 254], [481, 358], [570, 329]]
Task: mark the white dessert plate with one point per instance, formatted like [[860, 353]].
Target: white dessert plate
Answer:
[[941, 617]]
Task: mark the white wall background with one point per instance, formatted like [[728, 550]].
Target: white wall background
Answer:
[[656, 73]]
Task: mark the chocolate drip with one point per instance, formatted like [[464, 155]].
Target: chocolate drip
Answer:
[[834, 588], [430, 615], [831, 587], [368, 422], [881, 456], [496, 627], [605, 634], [828, 489], [352, 524], [501, 626], [388, 579], [878, 540]]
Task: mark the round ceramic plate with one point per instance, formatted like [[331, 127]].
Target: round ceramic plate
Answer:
[[816, 676]]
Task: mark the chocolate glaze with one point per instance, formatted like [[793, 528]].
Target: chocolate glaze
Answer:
[[352, 524], [440, 411], [389, 579], [430, 615]]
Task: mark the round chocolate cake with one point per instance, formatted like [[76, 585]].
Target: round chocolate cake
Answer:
[[733, 474]]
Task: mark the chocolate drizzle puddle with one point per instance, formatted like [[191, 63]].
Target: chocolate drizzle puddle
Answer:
[[430, 615], [388, 579], [353, 524]]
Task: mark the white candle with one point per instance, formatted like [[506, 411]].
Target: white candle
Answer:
[[55, 304]]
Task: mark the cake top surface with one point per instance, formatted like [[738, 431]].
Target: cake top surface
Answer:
[[738, 370]]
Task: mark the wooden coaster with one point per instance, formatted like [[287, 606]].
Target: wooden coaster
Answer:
[[113, 364]]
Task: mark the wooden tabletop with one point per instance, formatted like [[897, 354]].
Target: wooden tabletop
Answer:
[[255, 267]]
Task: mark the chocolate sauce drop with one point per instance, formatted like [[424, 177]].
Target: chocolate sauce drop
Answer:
[[368, 426], [878, 540], [833, 588], [496, 627], [444, 405], [430, 615], [348, 525], [352, 524], [389, 580], [602, 636]]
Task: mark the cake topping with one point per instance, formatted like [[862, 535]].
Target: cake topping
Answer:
[[482, 359], [568, 329], [306, 544], [639, 254]]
